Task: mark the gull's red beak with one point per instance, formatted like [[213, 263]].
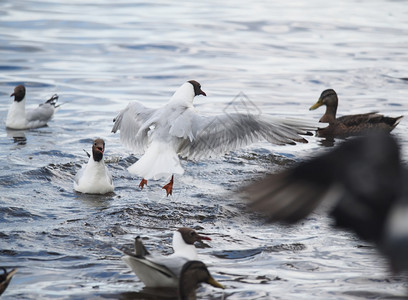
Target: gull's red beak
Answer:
[[203, 237]]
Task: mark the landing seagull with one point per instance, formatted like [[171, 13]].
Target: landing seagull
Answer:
[[20, 118], [163, 134]]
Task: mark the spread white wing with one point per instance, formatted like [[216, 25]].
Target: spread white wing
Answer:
[[129, 121], [216, 135]]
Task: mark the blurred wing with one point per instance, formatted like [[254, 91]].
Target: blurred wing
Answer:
[[284, 197], [134, 124], [296, 192], [215, 135]]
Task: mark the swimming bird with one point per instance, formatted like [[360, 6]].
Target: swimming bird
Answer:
[[94, 177], [349, 125], [192, 274], [362, 182], [176, 129], [163, 271], [5, 279], [20, 118]]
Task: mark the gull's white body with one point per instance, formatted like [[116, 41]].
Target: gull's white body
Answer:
[[176, 129], [94, 178], [181, 248], [20, 118]]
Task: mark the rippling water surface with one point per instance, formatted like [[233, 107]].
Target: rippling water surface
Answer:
[[98, 55]]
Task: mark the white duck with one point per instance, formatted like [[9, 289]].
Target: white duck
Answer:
[[20, 118], [159, 270], [94, 177], [177, 129]]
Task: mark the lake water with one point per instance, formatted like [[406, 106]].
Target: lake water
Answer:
[[99, 55]]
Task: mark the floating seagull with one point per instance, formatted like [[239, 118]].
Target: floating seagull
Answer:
[[163, 271], [364, 184], [20, 118], [5, 279], [94, 177], [177, 129], [192, 274], [349, 125]]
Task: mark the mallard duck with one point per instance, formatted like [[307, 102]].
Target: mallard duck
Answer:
[[349, 125], [192, 274], [5, 279], [363, 183]]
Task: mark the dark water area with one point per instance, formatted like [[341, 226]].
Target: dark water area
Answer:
[[273, 58]]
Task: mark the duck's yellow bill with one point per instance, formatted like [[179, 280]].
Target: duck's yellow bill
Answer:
[[316, 105], [215, 283]]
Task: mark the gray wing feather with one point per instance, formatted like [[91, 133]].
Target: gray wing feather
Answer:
[[134, 122], [42, 113], [219, 134]]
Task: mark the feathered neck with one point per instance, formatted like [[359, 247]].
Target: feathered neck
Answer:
[[185, 93], [181, 248], [16, 116]]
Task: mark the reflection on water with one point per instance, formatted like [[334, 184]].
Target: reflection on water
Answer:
[[18, 136], [98, 56]]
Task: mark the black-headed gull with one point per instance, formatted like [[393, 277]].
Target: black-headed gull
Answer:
[[192, 274], [177, 129], [94, 177], [364, 184], [5, 278], [159, 270], [20, 118]]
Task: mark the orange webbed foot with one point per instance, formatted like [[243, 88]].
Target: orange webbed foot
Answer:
[[169, 187], [142, 183]]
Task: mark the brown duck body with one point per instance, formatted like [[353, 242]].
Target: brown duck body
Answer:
[[350, 125]]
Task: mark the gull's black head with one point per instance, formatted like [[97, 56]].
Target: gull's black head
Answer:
[[19, 93], [97, 149], [190, 236], [197, 88]]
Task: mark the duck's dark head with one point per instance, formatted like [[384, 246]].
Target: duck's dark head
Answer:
[[328, 97]]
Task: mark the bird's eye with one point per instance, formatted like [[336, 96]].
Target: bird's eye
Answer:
[[192, 233]]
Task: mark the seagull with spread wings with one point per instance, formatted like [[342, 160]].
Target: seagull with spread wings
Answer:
[[177, 129]]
